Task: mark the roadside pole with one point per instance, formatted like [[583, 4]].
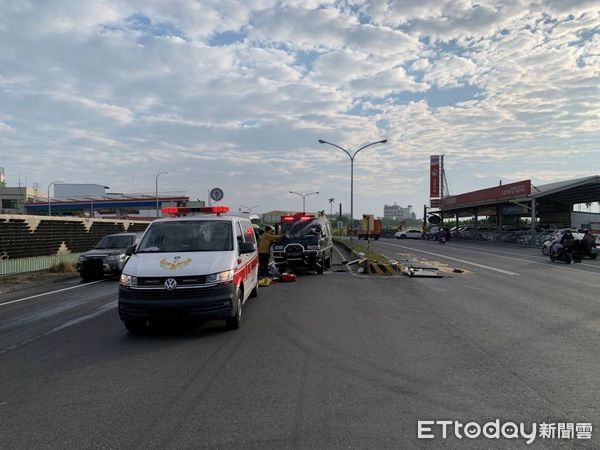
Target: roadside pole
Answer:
[[533, 238], [442, 190]]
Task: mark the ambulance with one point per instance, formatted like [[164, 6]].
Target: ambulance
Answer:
[[192, 267]]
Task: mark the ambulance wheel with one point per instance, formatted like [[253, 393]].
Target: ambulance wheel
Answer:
[[236, 321], [254, 292], [135, 326]]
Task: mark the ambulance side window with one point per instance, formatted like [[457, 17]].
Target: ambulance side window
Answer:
[[239, 235], [249, 235]]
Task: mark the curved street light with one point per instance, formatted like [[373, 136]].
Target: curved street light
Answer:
[[49, 207], [352, 156], [156, 186], [304, 198]]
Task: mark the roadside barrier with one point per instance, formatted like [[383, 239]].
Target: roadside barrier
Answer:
[[378, 268], [23, 265]]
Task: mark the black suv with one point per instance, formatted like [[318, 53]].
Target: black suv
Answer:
[[108, 257], [307, 243]]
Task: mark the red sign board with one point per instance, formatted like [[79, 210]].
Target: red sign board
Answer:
[[434, 202], [518, 189], [434, 176]]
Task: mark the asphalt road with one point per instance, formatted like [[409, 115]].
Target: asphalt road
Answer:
[[332, 361]]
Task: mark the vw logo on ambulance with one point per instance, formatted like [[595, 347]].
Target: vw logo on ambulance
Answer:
[[170, 284]]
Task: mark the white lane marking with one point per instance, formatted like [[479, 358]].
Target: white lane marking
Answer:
[[48, 293], [339, 253], [495, 269], [529, 260]]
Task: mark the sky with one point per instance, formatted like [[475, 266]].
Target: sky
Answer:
[[236, 95]]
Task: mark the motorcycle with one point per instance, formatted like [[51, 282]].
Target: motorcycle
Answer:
[[567, 252]]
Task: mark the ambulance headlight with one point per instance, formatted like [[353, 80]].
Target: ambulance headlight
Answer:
[[128, 281], [221, 277]]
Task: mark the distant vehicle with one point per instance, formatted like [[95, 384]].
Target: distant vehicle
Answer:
[[570, 251], [308, 243], [107, 257], [431, 234], [556, 235], [196, 268], [412, 233], [370, 228]]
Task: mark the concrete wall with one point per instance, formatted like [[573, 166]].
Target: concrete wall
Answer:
[[31, 236], [585, 220]]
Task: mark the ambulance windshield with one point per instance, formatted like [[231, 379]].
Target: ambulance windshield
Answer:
[[188, 236]]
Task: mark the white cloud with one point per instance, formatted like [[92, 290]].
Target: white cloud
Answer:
[[148, 84]]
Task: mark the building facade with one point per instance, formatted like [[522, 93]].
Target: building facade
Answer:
[[397, 212], [13, 199]]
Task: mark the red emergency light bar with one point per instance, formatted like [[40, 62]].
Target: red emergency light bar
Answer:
[[298, 216], [177, 210], [215, 209]]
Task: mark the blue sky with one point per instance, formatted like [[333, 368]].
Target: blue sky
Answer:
[[236, 94]]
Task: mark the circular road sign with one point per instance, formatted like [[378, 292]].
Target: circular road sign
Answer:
[[434, 220], [216, 194]]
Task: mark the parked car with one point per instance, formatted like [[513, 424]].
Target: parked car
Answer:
[[412, 233], [431, 233], [107, 257]]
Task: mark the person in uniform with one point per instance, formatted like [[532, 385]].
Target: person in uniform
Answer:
[[264, 249]]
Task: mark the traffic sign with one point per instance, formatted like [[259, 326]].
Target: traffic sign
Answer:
[[216, 194], [434, 220]]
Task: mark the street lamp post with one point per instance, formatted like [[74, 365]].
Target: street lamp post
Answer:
[[156, 186], [303, 199], [49, 207], [352, 156], [249, 208]]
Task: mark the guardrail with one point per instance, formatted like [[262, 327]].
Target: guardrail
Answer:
[[24, 265]]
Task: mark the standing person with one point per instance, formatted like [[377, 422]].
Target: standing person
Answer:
[[264, 249], [587, 243]]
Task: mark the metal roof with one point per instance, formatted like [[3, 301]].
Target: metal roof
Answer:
[[578, 190]]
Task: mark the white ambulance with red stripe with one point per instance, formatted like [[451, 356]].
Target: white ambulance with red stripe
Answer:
[[190, 267]]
